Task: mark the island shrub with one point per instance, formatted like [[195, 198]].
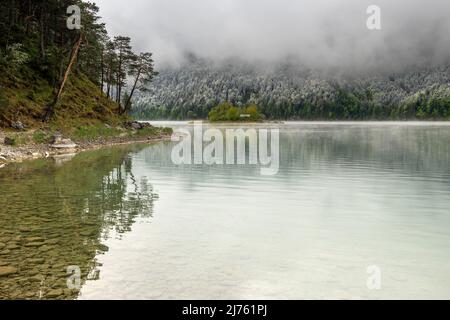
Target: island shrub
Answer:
[[226, 111]]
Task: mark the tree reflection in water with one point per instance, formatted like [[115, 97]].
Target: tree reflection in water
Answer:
[[54, 215]]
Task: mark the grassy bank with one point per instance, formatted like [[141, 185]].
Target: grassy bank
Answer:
[[85, 115], [37, 143], [25, 95]]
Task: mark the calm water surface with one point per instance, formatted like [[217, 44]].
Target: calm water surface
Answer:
[[347, 196]]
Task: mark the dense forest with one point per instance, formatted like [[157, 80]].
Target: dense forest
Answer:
[[58, 64], [57, 61], [291, 91]]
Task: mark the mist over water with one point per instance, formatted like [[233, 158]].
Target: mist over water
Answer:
[[347, 196]]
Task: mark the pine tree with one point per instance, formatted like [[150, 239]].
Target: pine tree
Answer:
[[142, 69]]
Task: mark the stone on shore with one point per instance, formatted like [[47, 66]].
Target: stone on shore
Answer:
[[58, 142], [10, 141], [18, 125], [136, 125]]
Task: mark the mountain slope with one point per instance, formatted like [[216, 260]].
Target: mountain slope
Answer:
[[292, 92], [25, 94]]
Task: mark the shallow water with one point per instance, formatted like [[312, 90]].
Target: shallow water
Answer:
[[347, 196]]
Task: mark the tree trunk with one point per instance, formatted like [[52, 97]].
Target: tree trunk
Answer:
[[41, 36], [125, 109], [108, 85], [12, 18], [51, 107], [103, 72]]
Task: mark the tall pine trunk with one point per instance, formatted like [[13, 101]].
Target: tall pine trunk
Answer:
[[51, 108], [127, 104]]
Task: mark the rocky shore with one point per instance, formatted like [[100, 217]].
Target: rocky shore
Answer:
[[11, 151]]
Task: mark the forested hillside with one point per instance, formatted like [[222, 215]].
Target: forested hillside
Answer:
[[289, 91], [58, 64]]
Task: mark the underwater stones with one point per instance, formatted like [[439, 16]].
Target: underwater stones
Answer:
[[34, 244], [36, 278], [30, 295], [33, 272], [60, 269], [36, 260], [69, 292], [13, 246], [103, 248], [52, 294], [34, 239], [88, 233], [45, 248], [7, 270]]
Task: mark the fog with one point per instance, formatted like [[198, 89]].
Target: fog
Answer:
[[316, 33]]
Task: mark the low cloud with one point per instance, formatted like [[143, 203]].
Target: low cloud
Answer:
[[316, 33]]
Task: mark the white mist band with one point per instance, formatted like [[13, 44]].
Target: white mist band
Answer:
[[209, 147]]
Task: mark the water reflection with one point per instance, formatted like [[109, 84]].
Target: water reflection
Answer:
[[347, 196], [56, 213]]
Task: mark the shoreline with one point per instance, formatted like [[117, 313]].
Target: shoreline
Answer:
[[18, 154]]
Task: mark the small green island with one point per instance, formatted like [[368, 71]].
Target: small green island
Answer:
[[227, 112]]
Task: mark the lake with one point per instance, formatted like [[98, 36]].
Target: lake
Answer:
[[352, 204]]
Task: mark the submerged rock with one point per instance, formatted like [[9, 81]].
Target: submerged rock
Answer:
[[34, 244], [6, 271], [36, 260], [34, 239], [13, 246], [45, 248], [36, 278], [54, 293], [103, 248]]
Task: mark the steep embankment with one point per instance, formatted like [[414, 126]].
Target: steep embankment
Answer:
[[84, 115], [25, 94]]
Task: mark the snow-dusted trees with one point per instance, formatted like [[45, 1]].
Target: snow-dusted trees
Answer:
[[286, 92]]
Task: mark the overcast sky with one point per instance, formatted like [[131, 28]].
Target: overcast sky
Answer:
[[319, 33]]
